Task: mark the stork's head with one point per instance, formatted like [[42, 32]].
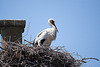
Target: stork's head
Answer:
[[52, 23]]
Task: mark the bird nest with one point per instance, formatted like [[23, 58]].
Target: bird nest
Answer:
[[21, 55]]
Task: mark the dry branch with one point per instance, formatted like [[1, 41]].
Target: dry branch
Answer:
[[90, 58]]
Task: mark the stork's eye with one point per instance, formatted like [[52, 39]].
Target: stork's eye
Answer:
[[52, 21]]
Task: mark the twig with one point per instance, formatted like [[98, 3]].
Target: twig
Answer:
[[2, 48], [3, 43], [83, 59], [28, 41], [90, 58], [27, 30], [29, 62], [13, 43]]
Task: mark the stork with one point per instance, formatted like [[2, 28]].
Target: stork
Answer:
[[46, 37]]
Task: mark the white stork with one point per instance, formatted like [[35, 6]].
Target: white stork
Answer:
[[46, 37]]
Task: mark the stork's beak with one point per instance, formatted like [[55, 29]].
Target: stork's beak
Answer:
[[56, 27]]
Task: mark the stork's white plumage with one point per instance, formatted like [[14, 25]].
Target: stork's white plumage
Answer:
[[46, 37]]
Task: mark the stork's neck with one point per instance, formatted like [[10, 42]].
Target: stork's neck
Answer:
[[54, 29], [54, 32], [52, 26]]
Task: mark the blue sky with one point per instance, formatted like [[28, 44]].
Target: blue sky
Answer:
[[78, 22]]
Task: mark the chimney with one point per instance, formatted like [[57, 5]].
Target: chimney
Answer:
[[11, 30]]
